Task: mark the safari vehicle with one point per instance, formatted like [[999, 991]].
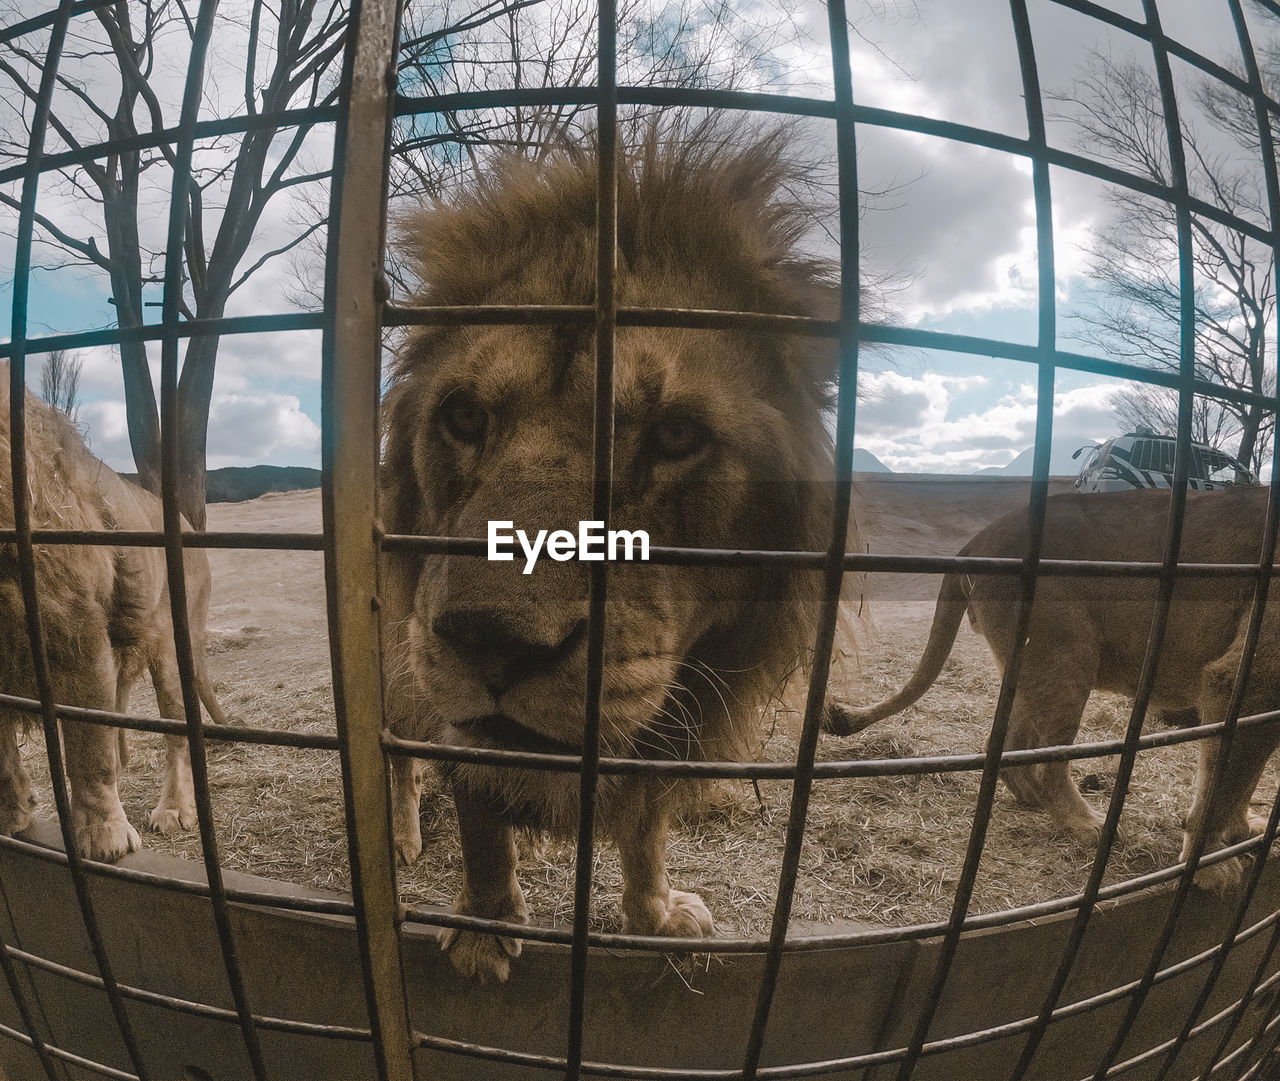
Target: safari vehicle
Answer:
[[1143, 459]]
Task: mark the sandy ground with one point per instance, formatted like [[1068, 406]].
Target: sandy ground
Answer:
[[885, 850]]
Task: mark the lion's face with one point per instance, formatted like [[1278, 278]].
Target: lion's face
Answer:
[[719, 438], [502, 431]]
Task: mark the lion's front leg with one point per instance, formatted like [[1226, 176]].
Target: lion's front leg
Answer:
[[102, 831], [489, 889], [649, 905], [406, 808]]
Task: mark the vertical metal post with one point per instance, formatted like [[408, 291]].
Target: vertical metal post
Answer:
[[349, 404], [606, 317]]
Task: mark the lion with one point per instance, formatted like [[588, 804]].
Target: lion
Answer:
[[106, 617], [720, 442], [1091, 633]]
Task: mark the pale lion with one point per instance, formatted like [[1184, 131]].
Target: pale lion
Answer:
[[1088, 633], [720, 440], [106, 617]]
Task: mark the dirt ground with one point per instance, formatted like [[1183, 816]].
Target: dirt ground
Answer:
[[881, 851]]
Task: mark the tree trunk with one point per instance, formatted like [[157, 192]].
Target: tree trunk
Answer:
[[195, 392], [1250, 422]]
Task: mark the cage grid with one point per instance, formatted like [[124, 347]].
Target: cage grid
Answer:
[[353, 320]]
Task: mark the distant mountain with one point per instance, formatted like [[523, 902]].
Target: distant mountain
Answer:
[[1061, 463], [235, 484], [866, 462]]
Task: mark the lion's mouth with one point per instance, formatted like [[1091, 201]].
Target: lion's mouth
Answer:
[[506, 733]]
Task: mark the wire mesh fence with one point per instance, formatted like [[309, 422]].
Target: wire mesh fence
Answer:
[[353, 320]]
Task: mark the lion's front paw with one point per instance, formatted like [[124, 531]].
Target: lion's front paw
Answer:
[[171, 819], [478, 954], [106, 839], [1223, 877], [682, 915], [482, 954]]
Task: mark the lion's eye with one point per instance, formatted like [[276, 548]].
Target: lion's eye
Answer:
[[464, 418], [677, 437]]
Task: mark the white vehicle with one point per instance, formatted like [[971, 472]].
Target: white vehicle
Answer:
[[1143, 459]]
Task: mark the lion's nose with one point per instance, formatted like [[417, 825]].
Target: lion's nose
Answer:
[[501, 648]]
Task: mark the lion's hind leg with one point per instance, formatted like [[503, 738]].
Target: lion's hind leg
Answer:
[[16, 797], [1228, 810], [1059, 668]]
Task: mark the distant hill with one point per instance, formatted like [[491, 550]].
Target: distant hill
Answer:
[[1061, 464], [235, 484], [866, 462]]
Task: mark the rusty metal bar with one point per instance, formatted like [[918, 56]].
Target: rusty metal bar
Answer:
[[354, 292]]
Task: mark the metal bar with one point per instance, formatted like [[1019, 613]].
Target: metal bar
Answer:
[[154, 332], [49, 18], [1266, 559], [306, 117], [69, 1057], [19, 994], [1177, 509], [833, 570], [782, 771], [1037, 511], [1187, 286], [20, 493], [185, 1006], [606, 315], [170, 423], [499, 314], [354, 291]]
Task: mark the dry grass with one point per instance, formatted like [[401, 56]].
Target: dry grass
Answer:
[[880, 850], [883, 851]]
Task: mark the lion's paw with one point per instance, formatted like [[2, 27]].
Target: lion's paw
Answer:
[[687, 916], [1221, 878], [107, 839], [682, 916], [167, 820], [479, 955], [482, 954]]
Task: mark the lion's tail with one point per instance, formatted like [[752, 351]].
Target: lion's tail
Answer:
[[841, 720]]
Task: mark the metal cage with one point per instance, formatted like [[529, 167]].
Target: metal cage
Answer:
[[1234, 1040]]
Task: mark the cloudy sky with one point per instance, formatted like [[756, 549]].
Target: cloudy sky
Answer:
[[955, 235]]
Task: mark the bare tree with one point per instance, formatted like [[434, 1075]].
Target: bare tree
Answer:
[[124, 53], [1134, 256], [60, 382]]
